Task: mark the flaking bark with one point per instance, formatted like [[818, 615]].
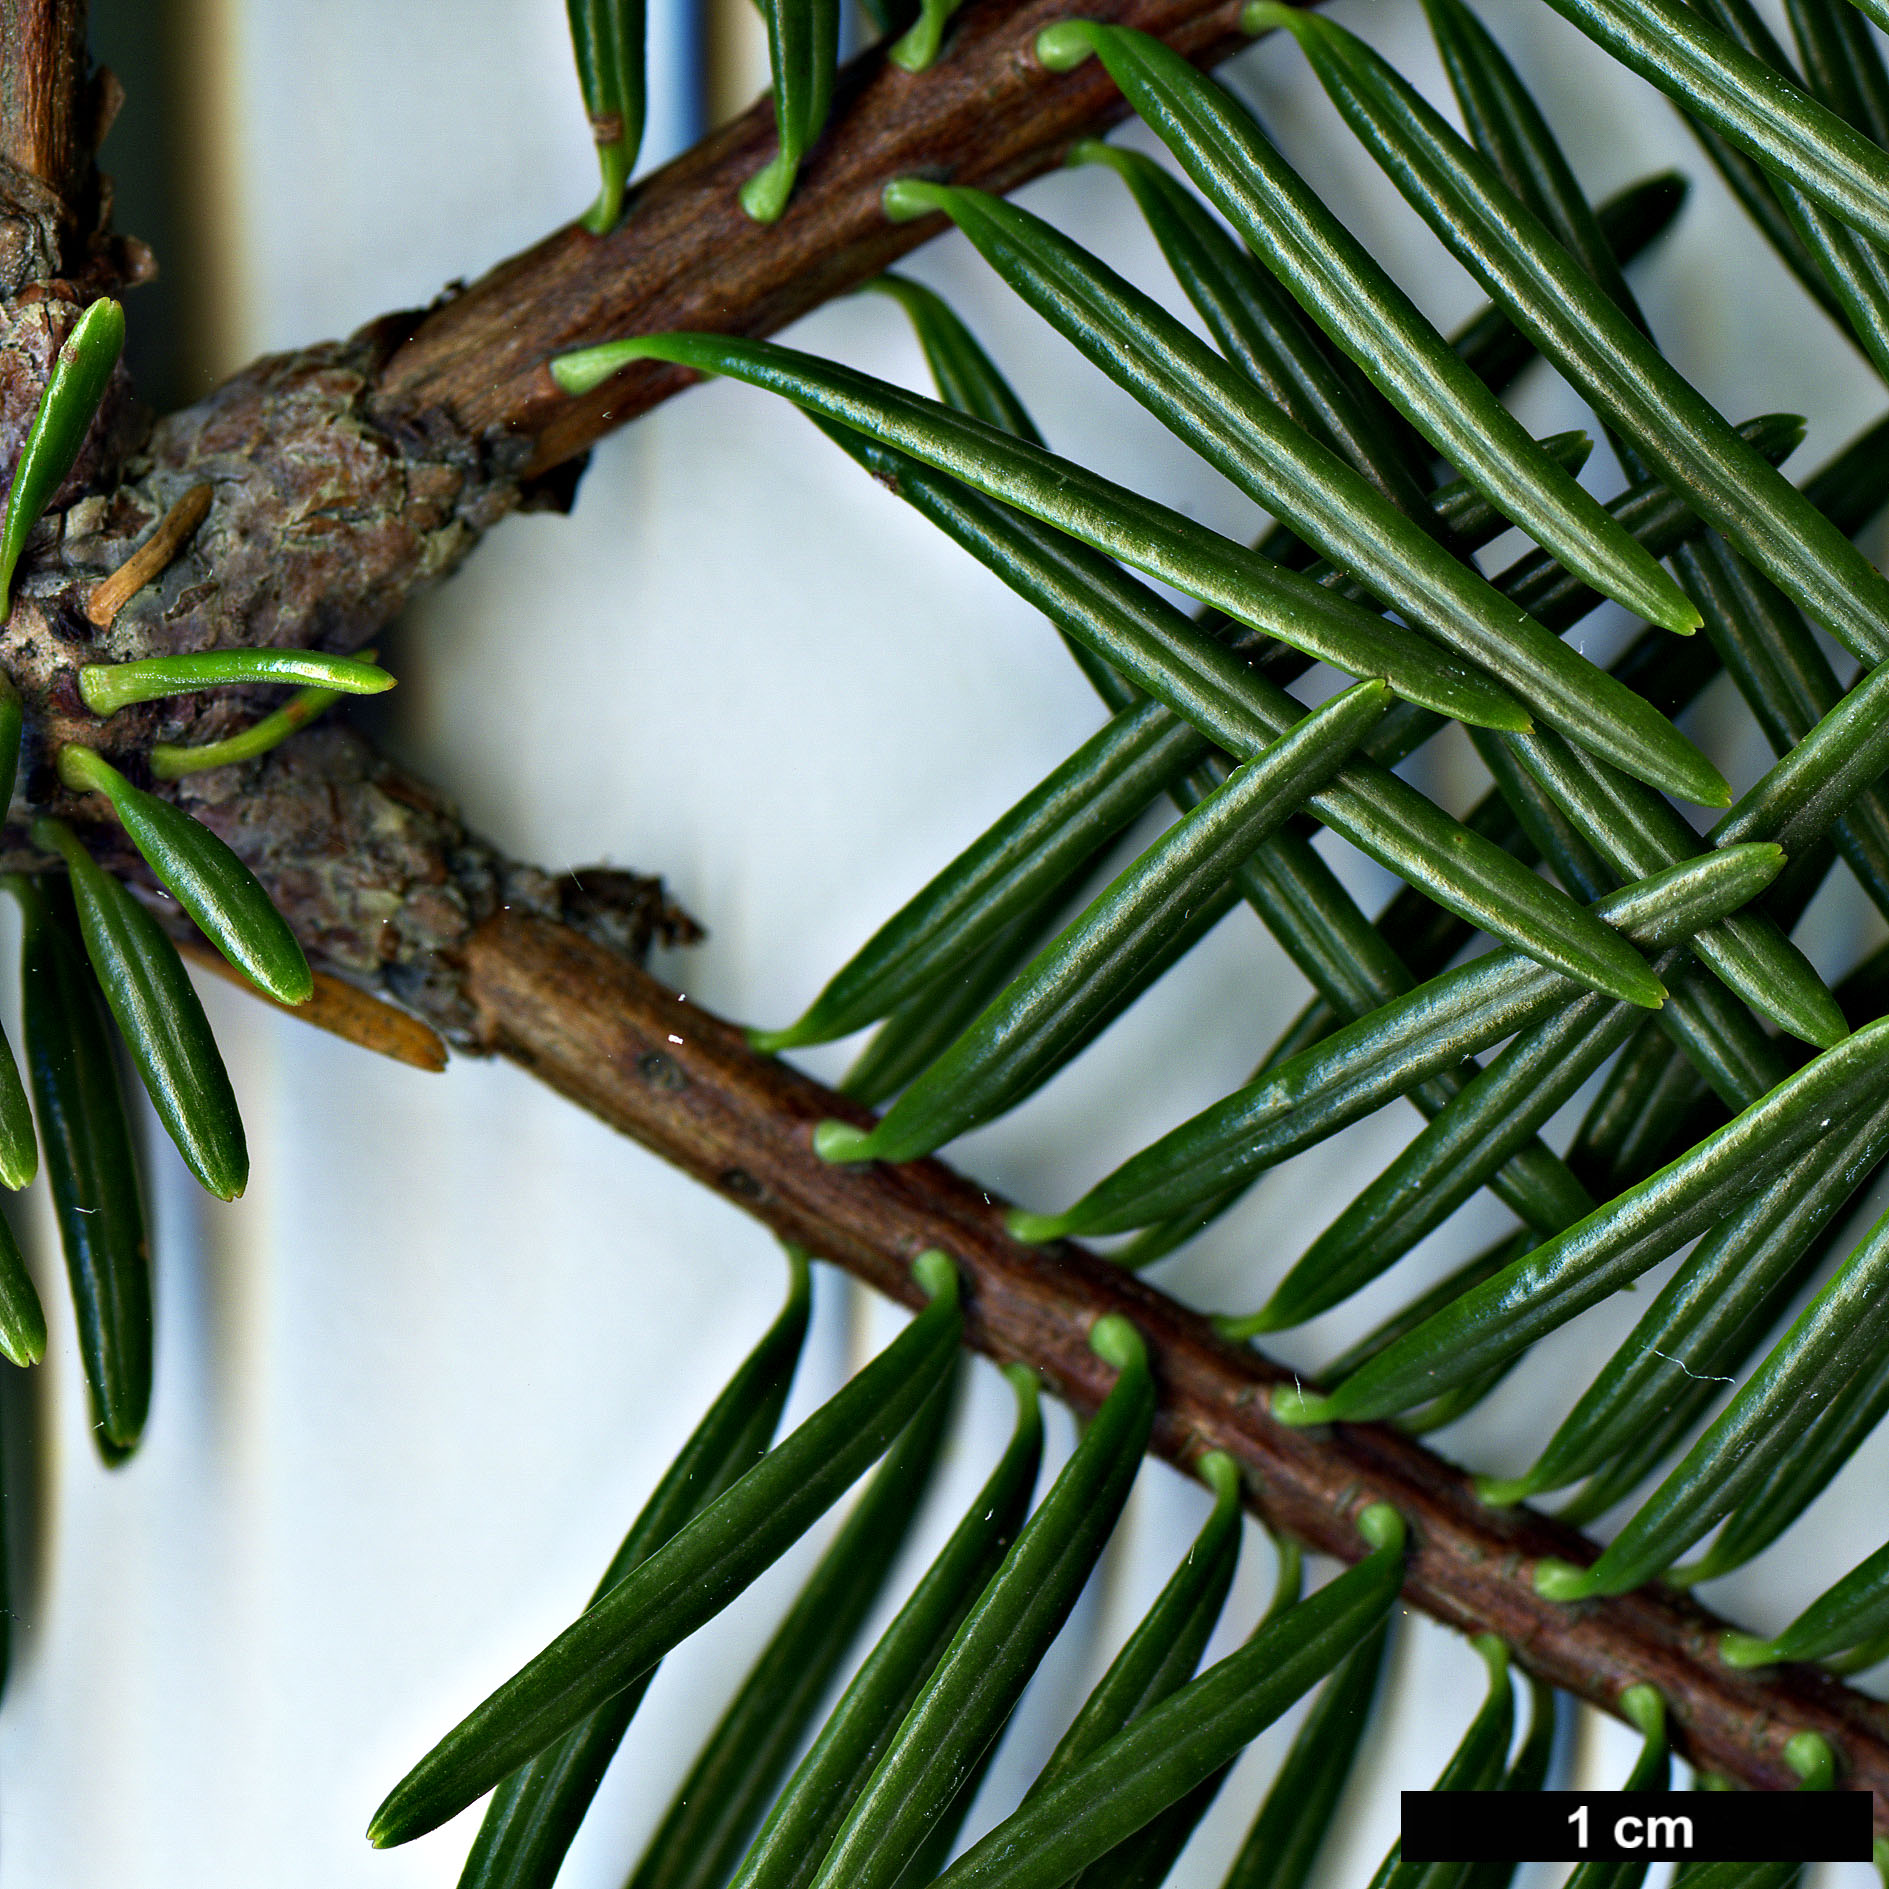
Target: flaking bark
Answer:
[[322, 525]]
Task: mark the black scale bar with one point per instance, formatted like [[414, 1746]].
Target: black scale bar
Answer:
[[1652, 1826]]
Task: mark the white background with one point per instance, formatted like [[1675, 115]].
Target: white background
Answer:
[[412, 1388]]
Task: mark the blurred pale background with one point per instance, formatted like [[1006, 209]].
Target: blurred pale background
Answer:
[[413, 1387]]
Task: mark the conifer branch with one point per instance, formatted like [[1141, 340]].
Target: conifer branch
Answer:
[[684, 1082], [422, 432], [686, 255], [347, 476]]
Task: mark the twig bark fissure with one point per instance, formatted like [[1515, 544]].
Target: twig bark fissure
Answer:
[[43, 92], [685, 1084]]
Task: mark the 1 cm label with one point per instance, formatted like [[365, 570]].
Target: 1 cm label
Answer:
[[1634, 1833]]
